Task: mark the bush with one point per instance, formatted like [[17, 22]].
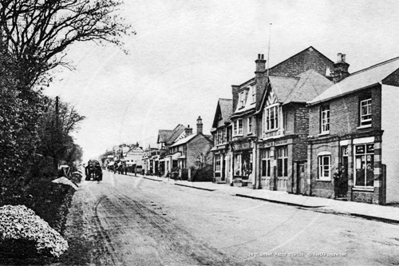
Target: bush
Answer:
[[202, 174], [21, 223]]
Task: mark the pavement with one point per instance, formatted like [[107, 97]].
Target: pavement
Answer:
[[381, 213]]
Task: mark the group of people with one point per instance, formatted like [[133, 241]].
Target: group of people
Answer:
[[340, 182]]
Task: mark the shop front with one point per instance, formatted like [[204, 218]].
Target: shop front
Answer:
[[221, 162], [242, 164]]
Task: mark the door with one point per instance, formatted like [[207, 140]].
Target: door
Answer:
[[223, 168], [343, 186], [300, 181]]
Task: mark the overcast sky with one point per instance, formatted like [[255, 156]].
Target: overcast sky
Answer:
[[187, 54]]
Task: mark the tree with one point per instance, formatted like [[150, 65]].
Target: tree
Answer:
[[37, 33]]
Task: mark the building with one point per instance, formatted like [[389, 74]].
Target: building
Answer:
[[270, 119], [164, 140], [221, 133], [353, 133], [134, 158], [191, 152]]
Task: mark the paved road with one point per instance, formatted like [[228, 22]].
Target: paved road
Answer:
[[136, 221]]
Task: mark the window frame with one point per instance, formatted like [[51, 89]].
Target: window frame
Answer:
[[365, 154], [272, 120], [282, 161], [321, 168], [325, 122], [237, 127], [249, 124], [367, 121]]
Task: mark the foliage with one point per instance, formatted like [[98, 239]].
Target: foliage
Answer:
[[19, 222], [37, 33], [202, 174]]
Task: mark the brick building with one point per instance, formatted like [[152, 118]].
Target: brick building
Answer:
[[221, 132], [270, 119], [353, 133], [192, 151]]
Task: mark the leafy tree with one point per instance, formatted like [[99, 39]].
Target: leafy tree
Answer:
[[37, 33]]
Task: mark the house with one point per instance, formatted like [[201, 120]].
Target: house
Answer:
[[164, 140], [134, 158], [270, 119], [191, 152], [149, 155], [221, 132], [353, 133]]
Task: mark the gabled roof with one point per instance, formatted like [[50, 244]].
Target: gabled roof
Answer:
[[310, 85], [169, 136], [184, 140], [359, 80], [224, 108], [301, 88]]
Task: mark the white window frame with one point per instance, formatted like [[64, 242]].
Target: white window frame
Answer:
[[363, 158], [272, 120], [237, 130], [365, 118], [218, 163], [249, 124], [242, 98], [325, 119], [253, 94], [322, 168]]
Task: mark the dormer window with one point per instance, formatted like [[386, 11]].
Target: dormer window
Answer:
[[242, 98], [253, 90]]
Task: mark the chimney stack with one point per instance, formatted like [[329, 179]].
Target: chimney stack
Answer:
[[260, 78], [199, 125], [340, 68], [188, 130], [260, 64]]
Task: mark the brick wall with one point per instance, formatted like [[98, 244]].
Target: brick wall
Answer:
[[199, 145], [344, 113]]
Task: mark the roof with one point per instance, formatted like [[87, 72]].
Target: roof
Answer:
[[184, 140], [359, 80], [310, 85], [283, 86], [226, 108], [169, 136]]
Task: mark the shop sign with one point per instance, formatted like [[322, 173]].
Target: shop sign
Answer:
[[266, 145], [359, 149], [370, 148], [281, 142], [242, 146]]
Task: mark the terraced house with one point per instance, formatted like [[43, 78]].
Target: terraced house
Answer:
[[354, 134]]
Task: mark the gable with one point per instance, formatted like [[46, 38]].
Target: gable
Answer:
[[307, 59], [271, 98]]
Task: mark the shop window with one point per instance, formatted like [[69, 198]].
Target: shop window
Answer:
[[364, 165], [266, 163], [325, 119], [324, 163], [365, 112], [282, 161]]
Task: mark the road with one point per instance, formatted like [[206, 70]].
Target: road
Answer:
[[135, 221]]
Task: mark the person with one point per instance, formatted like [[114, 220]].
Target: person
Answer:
[[337, 180]]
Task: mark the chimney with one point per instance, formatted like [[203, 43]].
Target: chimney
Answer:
[[260, 64], [199, 125], [260, 78], [188, 130], [340, 68]]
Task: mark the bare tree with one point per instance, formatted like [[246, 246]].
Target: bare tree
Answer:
[[36, 33]]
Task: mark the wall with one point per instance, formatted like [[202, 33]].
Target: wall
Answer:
[[198, 145], [390, 141]]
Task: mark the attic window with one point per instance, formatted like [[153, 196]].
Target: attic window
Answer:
[[242, 99]]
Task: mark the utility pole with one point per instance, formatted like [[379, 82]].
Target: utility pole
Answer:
[[57, 129]]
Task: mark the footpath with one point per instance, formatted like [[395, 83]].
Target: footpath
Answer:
[[381, 213]]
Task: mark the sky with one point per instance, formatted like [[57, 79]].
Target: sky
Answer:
[[188, 53]]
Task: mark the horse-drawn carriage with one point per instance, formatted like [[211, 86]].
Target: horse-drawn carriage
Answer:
[[93, 171]]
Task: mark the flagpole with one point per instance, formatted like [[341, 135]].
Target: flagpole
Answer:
[[268, 49]]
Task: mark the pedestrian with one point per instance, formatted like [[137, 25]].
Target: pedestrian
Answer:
[[337, 180]]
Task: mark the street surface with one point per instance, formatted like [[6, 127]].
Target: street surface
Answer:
[[136, 221]]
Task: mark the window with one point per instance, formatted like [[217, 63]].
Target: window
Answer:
[[282, 161], [242, 99], [325, 119], [249, 122], [253, 89], [324, 167], [365, 112], [237, 127], [217, 163], [271, 114], [364, 165], [266, 162]]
